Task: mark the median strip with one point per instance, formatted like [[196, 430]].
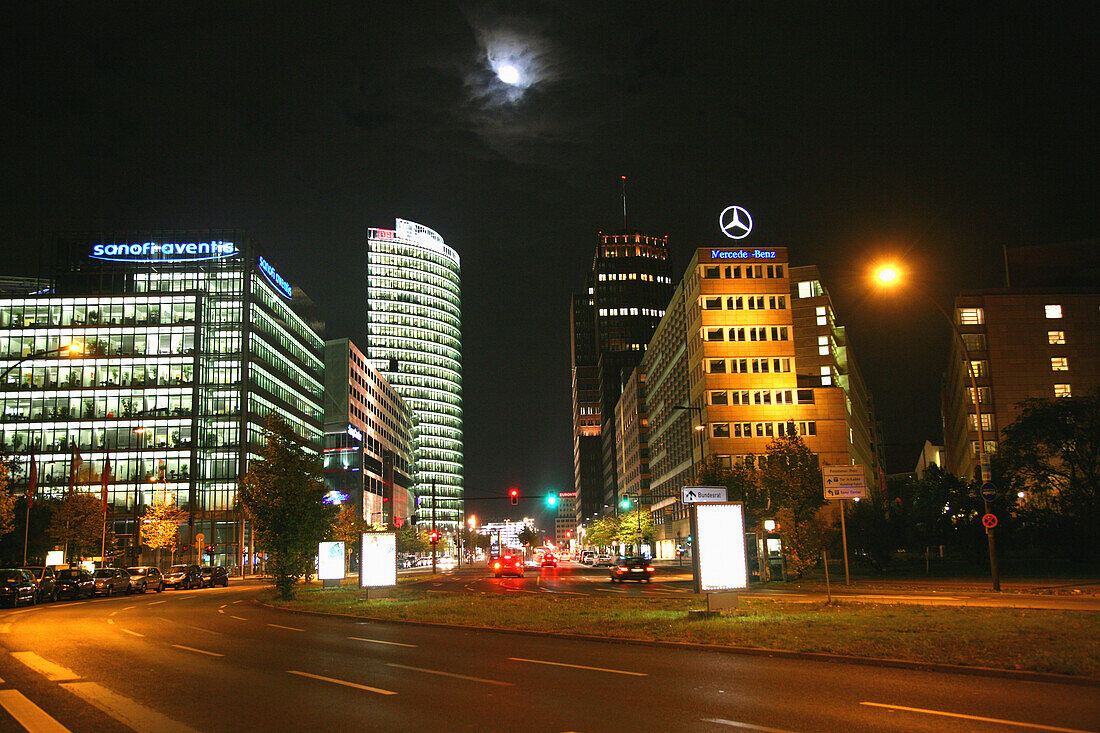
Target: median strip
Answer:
[[345, 683], [579, 666], [963, 716]]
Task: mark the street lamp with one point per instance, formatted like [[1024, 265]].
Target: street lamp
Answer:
[[888, 276], [74, 349], [699, 429]]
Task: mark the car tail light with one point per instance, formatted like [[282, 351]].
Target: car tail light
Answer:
[[649, 570], [623, 568], [496, 565]]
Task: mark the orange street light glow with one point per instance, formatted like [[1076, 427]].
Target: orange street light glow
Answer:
[[888, 274]]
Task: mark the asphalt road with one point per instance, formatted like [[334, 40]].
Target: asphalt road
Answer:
[[212, 660]]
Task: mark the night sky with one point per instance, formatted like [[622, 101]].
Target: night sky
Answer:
[[927, 132]]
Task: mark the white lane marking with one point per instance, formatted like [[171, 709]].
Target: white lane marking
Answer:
[[239, 618], [223, 606], [129, 608], [29, 715], [197, 651], [132, 633], [124, 710], [579, 666], [288, 628], [449, 674], [235, 602], [379, 641], [112, 613], [156, 602], [1019, 724], [345, 683], [220, 610], [111, 621], [53, 672], [746, 726]]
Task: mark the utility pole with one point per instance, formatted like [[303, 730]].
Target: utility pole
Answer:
[[433, 528]]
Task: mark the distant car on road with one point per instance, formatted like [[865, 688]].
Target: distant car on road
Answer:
[[507, 565], [588, 558], [549, 561], [17, 587], [183, 576], [144, 577], [45, 579], [75, 583], [109, 581], [632, 568], [603, 561], [215, 575]]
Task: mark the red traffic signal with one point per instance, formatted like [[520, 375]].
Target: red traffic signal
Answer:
[[514, 494]]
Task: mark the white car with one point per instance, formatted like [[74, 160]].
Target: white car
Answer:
[[588, 558], [604, 560]]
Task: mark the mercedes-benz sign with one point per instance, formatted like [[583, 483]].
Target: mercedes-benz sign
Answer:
[[735, 222]]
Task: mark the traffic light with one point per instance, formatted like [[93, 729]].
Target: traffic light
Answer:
[[514, 495], [625, 503], [551, 500]]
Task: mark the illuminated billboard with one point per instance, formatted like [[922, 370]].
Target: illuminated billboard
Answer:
[[378, 568], [720, 546], [330, 561], [164, 251]]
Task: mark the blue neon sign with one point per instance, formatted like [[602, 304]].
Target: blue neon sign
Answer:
[[742, 254], [276, 279], [164, 251]]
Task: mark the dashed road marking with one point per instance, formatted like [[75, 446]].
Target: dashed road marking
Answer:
[[132, 633], [156, 602], [29, 715], [745, 726], [239, 618], [53, 672], [579, 666], [449, 674], [197, 651], [1017, 723], [345, 683], [111, 621], [379, 641], [288, 628], [124, 710]]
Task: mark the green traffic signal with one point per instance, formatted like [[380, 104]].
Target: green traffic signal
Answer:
[[625, 503], [551, 500]]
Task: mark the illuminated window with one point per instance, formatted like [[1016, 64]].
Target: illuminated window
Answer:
[[826, 376], [1056, 337], [983, 394], [1053, 311], [822, 318], [805, 290], [1059, 364], [987, 421], [971, 316], [823, 345], [978, 369], [1062, 390]]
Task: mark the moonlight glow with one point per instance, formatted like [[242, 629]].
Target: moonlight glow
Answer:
[[508, 74]]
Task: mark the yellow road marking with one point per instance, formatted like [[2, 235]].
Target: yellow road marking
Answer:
[[449, 674], [288, 628], [197, 651], [239, 618], [379, 641], [132, 633], [1020, 724], [579, 666]]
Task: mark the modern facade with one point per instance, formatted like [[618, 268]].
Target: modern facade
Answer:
[[627, 292], [1021, 343], [414, 339], [185, 342], [368, 438], [722, 379]]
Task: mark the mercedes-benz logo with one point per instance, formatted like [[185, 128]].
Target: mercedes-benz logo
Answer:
[[735, 222]]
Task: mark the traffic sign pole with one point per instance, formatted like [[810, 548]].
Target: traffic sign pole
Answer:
[[844, 540], [695, 574]]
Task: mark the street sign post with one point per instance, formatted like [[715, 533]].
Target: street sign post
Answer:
[[844, 482], [989, 521], [989, 491], [695, 494]]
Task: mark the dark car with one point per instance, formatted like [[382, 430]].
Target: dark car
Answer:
[[183, 576], [45, 580], [507, 565], [109, 581], [632, 568], [215, 575], [17, 587], [75, 583], [144, 577]]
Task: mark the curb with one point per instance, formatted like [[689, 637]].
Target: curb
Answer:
[[1014, 674]]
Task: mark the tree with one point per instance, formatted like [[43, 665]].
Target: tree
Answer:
[[349, 528], [77, 523], [283, 494], [160, 526], [603, 531], [631, 524], [7, 501], [1051, 454], [528, 536]]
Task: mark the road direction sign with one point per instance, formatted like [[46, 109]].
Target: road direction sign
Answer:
[[989, 491], [695, 494], [844, 482], [990, 521]]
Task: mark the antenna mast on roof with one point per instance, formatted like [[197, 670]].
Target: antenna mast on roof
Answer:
[[624, 204]]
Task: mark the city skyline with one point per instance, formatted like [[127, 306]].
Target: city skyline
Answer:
[[848, 135]]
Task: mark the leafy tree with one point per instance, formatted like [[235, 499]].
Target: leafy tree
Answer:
[[349, 528], [77, 522], [631, 523], [38, 539], [602, 531], [7, 501], [528, 536], [1051, 453], [160, 526], [411, 540], [283, 494], [946, 510]]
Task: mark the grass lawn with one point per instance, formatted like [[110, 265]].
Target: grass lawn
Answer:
[[1065, 642]]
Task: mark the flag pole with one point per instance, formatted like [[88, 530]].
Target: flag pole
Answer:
[[32, 485], [103, 481]]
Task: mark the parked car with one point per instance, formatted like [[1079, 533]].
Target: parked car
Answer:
[[215, 575], [17, 587], [183, 576], [632, 568], [109, 581], [45, 579], [588, 558], [75, 583], [507, 565], [603, 561], [144, 577]]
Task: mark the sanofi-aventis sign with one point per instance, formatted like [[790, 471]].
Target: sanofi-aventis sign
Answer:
[[164, 251]]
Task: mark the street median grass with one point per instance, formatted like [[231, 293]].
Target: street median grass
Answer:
[[1060, 642]]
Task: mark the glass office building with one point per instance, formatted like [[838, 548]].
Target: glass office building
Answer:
[[414, 339], [185, 341]]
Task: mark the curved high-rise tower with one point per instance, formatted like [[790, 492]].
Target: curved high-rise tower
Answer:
[[414, 338]]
